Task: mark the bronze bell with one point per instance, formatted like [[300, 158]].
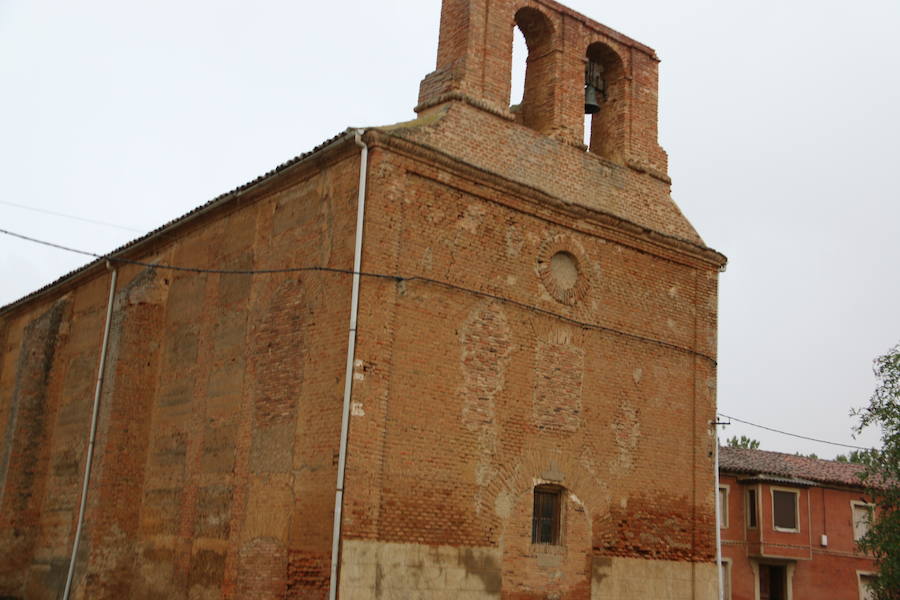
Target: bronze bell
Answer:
[[591, 104], [594, 87]]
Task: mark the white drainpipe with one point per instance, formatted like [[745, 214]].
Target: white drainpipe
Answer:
[[351, 357], [718, 517], [93, 436]]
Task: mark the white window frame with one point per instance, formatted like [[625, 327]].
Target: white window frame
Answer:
[[749, 508], [859, 580], [796, 493], [789, 577], [726, 583], [723, 505], [854, 504]]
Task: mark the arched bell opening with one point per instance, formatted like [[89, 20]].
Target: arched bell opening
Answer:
[[604, 102], [537, 105]]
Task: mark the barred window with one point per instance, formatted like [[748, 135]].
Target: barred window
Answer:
[[546, 516]]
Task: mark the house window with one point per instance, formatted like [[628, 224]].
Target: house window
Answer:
[[773, 582], [866, 591], [862, 517], [751, 509], [723, 506], [545, 519], [784, 510], [725, 574]]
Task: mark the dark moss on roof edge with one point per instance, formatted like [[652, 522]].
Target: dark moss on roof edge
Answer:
[[218, 200], [424, 119]]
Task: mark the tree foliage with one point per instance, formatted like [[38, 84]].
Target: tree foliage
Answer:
[[854, 456], [882, 474], [742, 442]]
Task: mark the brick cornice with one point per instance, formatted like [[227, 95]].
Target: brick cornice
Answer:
[[613, 227], [599, 28], [457, 96]]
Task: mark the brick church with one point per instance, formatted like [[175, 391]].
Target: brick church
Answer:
[[465, 356]]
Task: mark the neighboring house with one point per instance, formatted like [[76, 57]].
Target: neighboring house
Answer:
[[524, 414], [790, 525]]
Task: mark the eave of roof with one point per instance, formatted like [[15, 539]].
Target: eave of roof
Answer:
[[764, 478], [167, 227], [772, 465]]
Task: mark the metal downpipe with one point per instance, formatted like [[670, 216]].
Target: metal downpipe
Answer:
[[348, 374], [93, 435]]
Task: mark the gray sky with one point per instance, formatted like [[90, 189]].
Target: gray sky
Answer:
[[780, 119]]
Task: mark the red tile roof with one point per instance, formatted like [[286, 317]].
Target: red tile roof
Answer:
[[762, 462]]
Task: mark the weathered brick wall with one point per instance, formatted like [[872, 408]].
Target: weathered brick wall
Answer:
[[548, 317], [559, 170], [478, 384], [558, 326], [28, 406], [215, 460]]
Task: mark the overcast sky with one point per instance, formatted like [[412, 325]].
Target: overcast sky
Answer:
[[780, 119]]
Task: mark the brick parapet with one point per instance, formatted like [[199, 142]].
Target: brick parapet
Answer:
[[513, 152]]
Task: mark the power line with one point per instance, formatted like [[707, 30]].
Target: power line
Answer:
[[67, 216], [141, 263], [51, 244], [396, 278], [802, 437]]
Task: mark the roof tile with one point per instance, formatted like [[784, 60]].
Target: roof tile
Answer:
[[740, 460]]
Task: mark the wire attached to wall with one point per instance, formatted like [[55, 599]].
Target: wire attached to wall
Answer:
[[396, 278], [150, 265], [445, 284]]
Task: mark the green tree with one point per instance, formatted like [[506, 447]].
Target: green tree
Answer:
[[744, 442], [855, 456], [882, 474]]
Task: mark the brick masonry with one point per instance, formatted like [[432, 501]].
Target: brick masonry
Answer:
[[550, 318]]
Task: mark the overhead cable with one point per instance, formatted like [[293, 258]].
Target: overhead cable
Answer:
[[802, 437], [67, 216], [397, 278]]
